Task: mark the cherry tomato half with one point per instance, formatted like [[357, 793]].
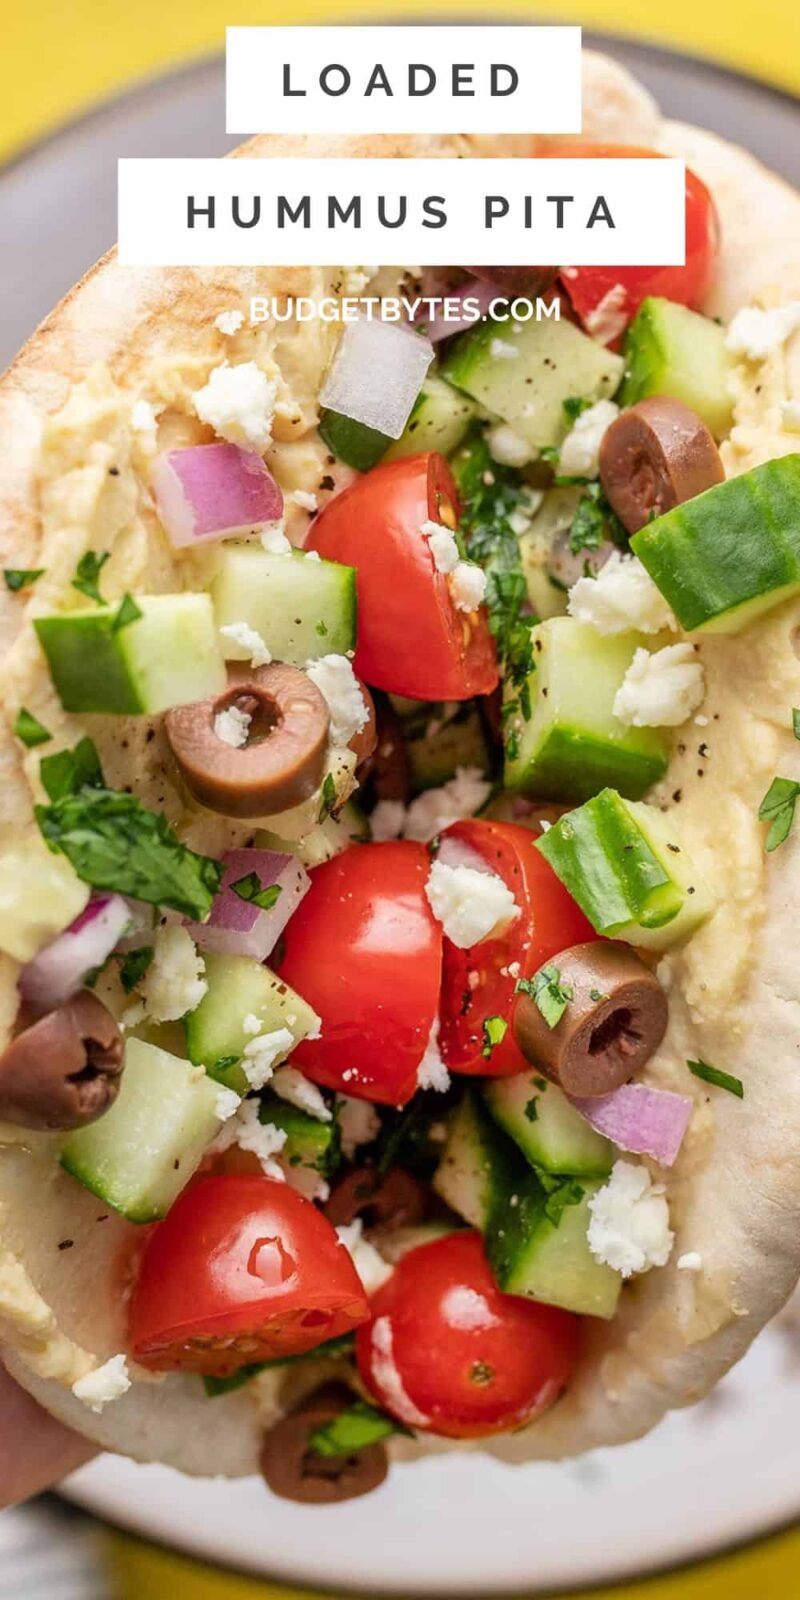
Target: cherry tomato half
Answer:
[[481, 982], [241, 1269], [447, 1352], [364, 949], [588, 287], [411, 638]]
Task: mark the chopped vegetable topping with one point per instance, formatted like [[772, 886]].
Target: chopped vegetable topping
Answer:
[[721, 1080], [21, 577], [135, 965], [777, 808], [494, 1032], [128, 612], [328, 797], [70, 770], [249, 888], [354, 1429], [87, 574], [30, 730], [490, 495], [546, 989]]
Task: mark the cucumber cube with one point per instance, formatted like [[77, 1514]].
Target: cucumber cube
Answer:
[[553, 361], [353, 442], [471, 1168], [40, 895], [239, 987], [169, 656], [626, 866], [548, 1130], [551, 1261], [139, 1156], [328, 839], [439, 420], [571, 745], [309, 1142], [671, 350], [729, 555], [301, 608]]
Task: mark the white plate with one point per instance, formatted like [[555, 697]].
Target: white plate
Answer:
[[706, 1479]]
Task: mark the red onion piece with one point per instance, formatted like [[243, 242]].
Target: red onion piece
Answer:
[[213, 491], [441, 326], [645, 1121], [61, 968], [240, 928]]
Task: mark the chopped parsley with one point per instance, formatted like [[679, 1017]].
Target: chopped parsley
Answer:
[[359, 1426], [575, 405], [490, 494], [127, 613], [594, 521], [134, 966], [777, 808], [532, 1109], [494, 1032], [21, 577], [70, 770], [721, 1080], [564, 1192], [549, 993], [597, 997], [87, 573], [30, 730], [328, 797], [249, 888], [796, 723]]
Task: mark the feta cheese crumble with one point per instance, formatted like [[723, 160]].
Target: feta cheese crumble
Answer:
[[294, 1087], [434, 809], [692, 1261], [359, 1123], [274, 540], [226, 1104], [303, 498], [442, 545], [756, 334], [580, 453], [507, 447], [660, 689], [229, 322], [104, 1384], [387, 820], [238, 403], [341, 690], [470, 905], [622, 597], [368, 1262], [629, 1228], [263, 1140], [173, 983], [251, 1024], [467, 586], [232, 727], [432, 1072], [261, 1053], [242, 634]]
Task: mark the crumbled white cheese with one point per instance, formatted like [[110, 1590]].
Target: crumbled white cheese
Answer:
[[144, 419], [579, 455], [441, 544], [261, 1053], [368, 1262], [295, 1087], [232, 727], [306, 1180], [133, 1015], [251, 1024], [755, 333], [274, 540], [467, 586], [610, 316], [470, 905], [629, 1228], [238, 403], [304, 499], [359, 1123], [432, 1072], [242, 634], [790, 416], [312, 555], [263, 1140], [435, 809], [173, 983], [692, 1261], [622, 597], [341, 690], [226, 1104], [662, 689], [229, 322], [501, 350], [387, 820], [388, 1379], [507, 447], [104, 1384]]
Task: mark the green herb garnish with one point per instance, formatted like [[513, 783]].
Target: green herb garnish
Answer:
[[490, 494], [549, 993], [575, 405], [135, 965], [594, 521], [87, 573], [333, 1350], [70, 770], [567, 1192], [721, 1080], [30, 730], [359, 1426], [249, 888], [532, 1109], [127, 613], [494, 1032], [328, 797], [777, 808], [21, 577]]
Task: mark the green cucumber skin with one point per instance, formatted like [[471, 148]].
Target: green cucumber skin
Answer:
[[87, 669], [439, 420], [730, 554], [532, 1257], [671, 350], [168, 656], [309, 1142], [214, 1031], [302, 609], [355, 443], [570, 765], [471, 1169], [559, 1139]]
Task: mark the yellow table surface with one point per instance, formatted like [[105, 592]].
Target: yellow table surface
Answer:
[[56, 61]]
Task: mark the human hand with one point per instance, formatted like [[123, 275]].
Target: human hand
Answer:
[[35, 1450]]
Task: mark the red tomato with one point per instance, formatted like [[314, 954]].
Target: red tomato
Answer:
[[241, 1269], [477, 983], [447, 1352], [587, 287], [365, 950], [411, 638]]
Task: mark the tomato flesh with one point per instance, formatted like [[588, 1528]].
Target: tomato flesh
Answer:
[[364, 949], [481, 982], [411, 638], [447, 1352], [241, 1269]]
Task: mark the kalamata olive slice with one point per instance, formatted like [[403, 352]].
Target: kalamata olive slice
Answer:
[[295, 1472], [565, 565], [64, 1070], [393, 1199], [653, 457], [614, 1020], [363, 743], [282, 762]]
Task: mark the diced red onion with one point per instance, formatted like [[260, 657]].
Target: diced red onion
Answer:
[[376, 375], [213, 491], [441, 326], [61, 968], [645, 1121], [238, 927]]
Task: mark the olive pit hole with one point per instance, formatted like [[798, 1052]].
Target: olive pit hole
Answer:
[[616, 1031]]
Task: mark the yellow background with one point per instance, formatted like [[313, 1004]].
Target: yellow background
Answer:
[[56, 60]]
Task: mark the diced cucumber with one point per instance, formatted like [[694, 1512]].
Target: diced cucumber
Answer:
[[309, 1142], [40, 895], [353, 442], [473, 1162], [239, 987], [328, 839], [438, 743], [572, 745], [335, 790], [550, 1261], [168, 656], [553, 362], [555, 514], [438, 421], [549, 1131], [140, 1155], [625, 864], [729, 555], [671, 350], [300, 607]]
